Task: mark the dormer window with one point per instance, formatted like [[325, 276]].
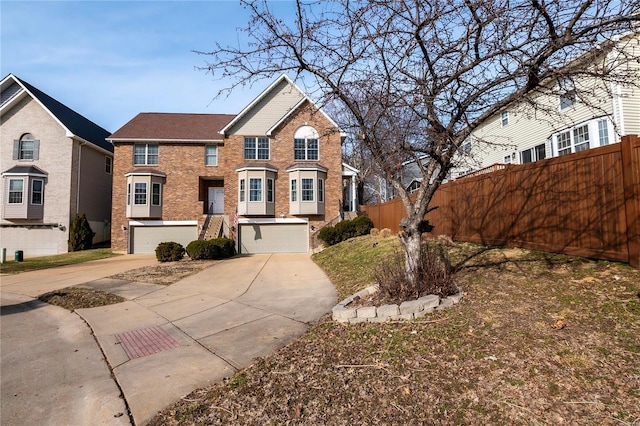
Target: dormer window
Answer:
[[305, 144]]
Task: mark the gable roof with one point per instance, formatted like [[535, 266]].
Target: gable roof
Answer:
[[73, 123], [265, 93], [176, 127]]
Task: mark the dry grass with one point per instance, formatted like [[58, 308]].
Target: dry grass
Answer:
[[165, 273], [538, 339], [73, 298]]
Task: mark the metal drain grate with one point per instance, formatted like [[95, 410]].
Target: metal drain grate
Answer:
[[146, 341]]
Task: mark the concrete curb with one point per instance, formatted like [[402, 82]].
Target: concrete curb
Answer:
[[408, 310]]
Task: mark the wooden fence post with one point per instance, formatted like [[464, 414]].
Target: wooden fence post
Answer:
[[630, 151]]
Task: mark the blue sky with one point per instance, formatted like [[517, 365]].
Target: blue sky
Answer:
[[109, 60]]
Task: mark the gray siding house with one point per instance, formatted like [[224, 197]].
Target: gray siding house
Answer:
[[55, 164]]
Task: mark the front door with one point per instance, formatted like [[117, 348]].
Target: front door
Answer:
[[216, 200]]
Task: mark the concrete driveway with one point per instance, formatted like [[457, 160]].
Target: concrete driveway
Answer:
[[166, 341]]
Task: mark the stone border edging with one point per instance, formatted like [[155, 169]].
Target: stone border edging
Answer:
[[407, 310]]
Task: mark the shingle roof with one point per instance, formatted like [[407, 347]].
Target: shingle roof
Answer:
[[25, 170], [173, 126], [76, 123]]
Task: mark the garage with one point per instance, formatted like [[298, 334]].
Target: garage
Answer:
[[145, 237], [273, 236]]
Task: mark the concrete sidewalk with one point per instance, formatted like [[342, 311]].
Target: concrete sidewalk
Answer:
[[169, 340], [35, 283]]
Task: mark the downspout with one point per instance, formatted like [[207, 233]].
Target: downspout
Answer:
[[80, 143], [616, 92]]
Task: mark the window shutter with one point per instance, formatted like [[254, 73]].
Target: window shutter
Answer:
[[16, 149], [36, 150]]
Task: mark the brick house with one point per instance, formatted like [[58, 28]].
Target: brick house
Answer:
[[270, 176], [55, 164]]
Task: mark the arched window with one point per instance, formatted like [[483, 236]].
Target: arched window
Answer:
[[305, 144], [26, 148]]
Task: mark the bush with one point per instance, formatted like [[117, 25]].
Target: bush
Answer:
[[346, 229], [80, 233], [374, 232], [217, 248], [169, 252], [435, 276], [385, 233], [329, 235], [363, 225]]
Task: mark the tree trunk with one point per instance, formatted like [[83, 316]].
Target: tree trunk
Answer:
[[411, 240]]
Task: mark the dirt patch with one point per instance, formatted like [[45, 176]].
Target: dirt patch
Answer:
[[538, 339], [73, 298], [165, 273]]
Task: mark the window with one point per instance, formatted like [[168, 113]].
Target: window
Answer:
[[307, 189], [270, 191], [26, 148], [581, 138], [533, 154], [603, 132], [294, 190], [509, 159], [140, 193], [108, 163], [211, 155], [504, 118], [15, 191], [256, 148], [567, 93], [242, 190], [37, 190], [128, 194], [305, 144], [564, 143], [255, 189], [145, 154], [321, 190], [156, 195]]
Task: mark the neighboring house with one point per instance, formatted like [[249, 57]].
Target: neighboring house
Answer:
[[562, 124], [565, 124], [55, 164], [270, 176]]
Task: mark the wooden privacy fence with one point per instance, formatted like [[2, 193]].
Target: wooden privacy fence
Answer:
[[584, 204]]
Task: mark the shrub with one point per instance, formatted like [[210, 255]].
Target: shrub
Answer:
[[435, 276], [80, 233], [169, 252], [363, 225], [199, 249], [374, 232], [329, 235], [227, 247], [217, 248], [346, 229]]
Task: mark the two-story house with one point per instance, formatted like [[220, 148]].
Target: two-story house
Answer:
[[55, 164], [269, 176], [571, 114]]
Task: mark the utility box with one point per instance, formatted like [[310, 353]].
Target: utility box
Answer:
[[19, 256]]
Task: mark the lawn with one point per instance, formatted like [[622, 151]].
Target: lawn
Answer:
[[45, 262], [537, 339]]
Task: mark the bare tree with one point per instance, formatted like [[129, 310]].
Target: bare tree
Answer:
[[419, 76]]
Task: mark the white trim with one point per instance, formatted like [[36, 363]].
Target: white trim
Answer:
[[162, 175], [135, 140], [305, 167], [162, 222], [267, 221], [9, 174], [256, 168]]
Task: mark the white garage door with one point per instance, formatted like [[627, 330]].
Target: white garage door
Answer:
[[145, 239], [274, 238]]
